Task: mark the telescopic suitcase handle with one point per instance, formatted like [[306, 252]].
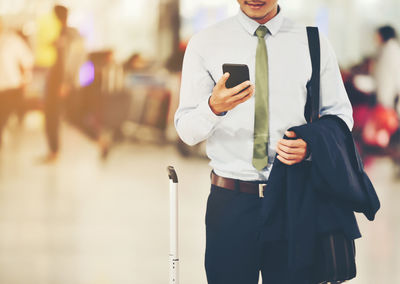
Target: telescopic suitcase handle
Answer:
[[173, 226], [172, 174]]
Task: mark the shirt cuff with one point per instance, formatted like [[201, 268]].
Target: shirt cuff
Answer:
[[207, 113], [221, 114]]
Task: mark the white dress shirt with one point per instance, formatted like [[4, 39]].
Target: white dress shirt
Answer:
[[14, 55], [387, 73], [230, 137]]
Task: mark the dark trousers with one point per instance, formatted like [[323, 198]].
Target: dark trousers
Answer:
[[10, 101], [52, 105], [234, 254], [52, 124]]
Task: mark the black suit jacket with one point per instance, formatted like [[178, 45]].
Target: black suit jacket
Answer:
[[318, 196]]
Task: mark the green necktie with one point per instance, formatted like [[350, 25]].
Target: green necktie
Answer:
[[260, 150]]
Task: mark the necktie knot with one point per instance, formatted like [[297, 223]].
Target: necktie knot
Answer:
[[261, 31]]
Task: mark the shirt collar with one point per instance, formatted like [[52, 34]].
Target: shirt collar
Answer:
[[251, 25]]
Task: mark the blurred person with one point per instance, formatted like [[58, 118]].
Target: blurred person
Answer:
[[16, 63], [135, 63], [387, 75], [381, 125], [102, 105], [243, 134], [113, 100], [387, 67], [63, 78]]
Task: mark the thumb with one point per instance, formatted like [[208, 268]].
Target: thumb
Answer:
[[290, 134], [223, 79]]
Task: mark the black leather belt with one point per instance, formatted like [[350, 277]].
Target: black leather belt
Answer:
[[235, 184]]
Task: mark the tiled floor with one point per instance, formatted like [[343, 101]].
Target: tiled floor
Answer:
[[82, 221]]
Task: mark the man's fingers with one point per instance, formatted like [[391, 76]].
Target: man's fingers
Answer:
[[235, 90], [289, 150], [242, 100], [286, 161], [298, 143], [288, 156], [291, 134], [243, 94]]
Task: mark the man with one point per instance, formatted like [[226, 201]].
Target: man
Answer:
[[387, 77], [63, 78], [387, 69], [16, 63], [244, 129]]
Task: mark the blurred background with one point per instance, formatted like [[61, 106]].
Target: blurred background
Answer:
[[88, 90]]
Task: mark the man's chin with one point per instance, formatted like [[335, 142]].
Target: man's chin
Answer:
[[256, 16]]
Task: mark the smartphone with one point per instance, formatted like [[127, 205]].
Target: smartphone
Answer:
[[239, 73]]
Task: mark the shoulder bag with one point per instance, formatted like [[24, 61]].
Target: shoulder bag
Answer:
[[335, 253]]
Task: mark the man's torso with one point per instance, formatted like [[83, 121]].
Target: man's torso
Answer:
[[289, 71]]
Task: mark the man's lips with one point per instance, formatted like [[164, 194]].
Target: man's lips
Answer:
[[254, 5]]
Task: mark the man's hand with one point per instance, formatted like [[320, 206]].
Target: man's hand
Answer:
[[291, 151], [223, 99]]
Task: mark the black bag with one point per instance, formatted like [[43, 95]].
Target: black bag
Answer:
[[335, 253], [335, 258]]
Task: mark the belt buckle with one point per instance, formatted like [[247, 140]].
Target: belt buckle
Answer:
[[261, 188]]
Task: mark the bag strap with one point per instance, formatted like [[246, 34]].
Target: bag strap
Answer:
[[311, 111]]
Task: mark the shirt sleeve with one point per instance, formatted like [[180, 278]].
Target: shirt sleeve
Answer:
[[194, 120], [333, 96]]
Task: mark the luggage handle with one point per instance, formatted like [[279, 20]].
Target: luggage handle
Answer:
[[172, 174], [173, 226]]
